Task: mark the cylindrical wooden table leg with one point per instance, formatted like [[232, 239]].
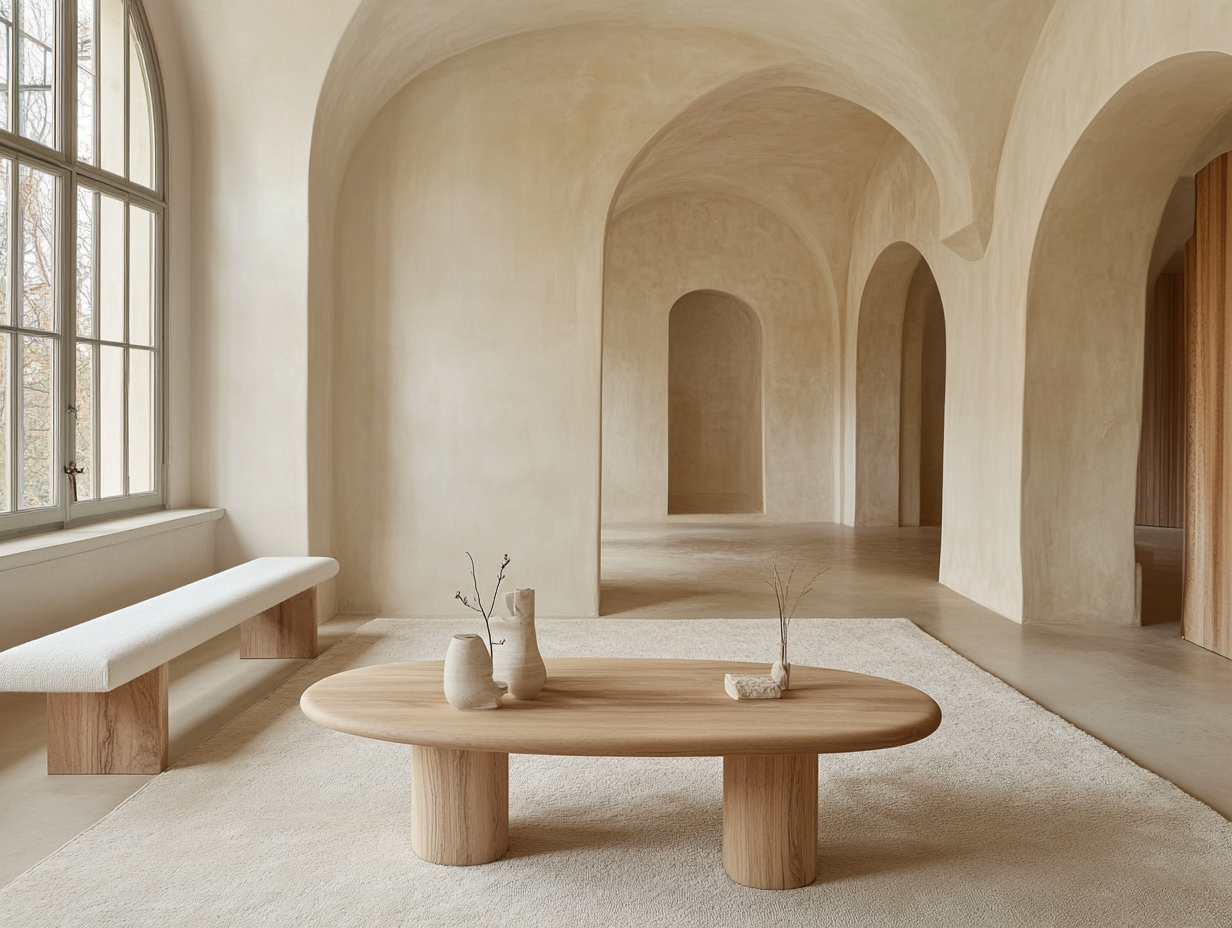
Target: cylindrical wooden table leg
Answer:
[[770, 820], [459, 805]]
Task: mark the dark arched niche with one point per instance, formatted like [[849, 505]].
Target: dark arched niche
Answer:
[[714, 421], [921, 424]]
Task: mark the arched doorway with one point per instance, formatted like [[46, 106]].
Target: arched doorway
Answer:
[[1086, 317], [900, 393], [714, 420]]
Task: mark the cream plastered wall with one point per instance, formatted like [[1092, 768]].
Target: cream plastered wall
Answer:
[[924, 73], [1084, 185], [264, 77], [50, 591], [664, 248], [255, 72], [468, 325], [281, 92]]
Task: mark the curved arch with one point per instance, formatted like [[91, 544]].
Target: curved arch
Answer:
[[715, 403], [893, 304], [959, 228], [1086, 303]]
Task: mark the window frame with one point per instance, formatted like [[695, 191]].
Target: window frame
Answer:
[[64, 162]]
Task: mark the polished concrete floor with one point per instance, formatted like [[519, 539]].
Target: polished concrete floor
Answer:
[[1160, 701]]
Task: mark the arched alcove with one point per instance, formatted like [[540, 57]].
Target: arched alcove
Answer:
[[900, 393], [714, 419], [1086, 311]]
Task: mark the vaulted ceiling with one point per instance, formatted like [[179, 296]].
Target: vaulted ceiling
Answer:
[[943, 73]]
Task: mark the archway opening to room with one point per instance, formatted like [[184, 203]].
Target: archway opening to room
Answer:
[[1159, 517], [1104, 379], [714, 418], [900, 393]]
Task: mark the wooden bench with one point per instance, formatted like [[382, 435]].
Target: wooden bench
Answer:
[[106, 679]]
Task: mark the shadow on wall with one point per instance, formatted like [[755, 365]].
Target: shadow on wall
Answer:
[[714, 422]]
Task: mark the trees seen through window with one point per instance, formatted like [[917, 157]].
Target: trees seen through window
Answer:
[[81, 219]]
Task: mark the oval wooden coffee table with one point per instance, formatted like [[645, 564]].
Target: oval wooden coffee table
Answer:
[[628, 708]]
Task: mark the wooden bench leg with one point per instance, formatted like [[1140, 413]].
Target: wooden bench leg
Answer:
[[124, 731], [287, 630]]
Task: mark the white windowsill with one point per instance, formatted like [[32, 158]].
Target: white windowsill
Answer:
[[35, 549]]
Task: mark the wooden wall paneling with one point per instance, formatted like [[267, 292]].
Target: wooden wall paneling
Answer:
[[1206, 618], [1161, 459]]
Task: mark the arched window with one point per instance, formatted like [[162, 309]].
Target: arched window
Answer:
[[82, 212]]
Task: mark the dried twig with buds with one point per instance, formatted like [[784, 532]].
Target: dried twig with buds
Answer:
[[477, 605]]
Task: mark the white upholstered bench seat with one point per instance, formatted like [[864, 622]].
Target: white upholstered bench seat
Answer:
[[124, 655], [99, 655]]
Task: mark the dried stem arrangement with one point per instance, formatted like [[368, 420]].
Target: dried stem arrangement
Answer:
[[477, 605], [782, 595]]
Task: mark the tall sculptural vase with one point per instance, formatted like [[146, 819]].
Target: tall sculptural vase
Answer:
[[517, 662]]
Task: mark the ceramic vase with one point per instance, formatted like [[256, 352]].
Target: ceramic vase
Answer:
[[468, 675], [781, 671], [518, 661]]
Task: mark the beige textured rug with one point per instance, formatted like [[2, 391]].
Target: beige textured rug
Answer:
[[1007, 816]]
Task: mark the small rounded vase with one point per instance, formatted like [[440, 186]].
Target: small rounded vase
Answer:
[[518, 661], [468, 675]]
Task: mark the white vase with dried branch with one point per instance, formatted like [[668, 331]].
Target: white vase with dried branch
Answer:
[[469, 682]]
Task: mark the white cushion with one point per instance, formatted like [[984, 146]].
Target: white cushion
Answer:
[[103, 653]]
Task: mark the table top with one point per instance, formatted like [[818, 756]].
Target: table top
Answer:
[[626, 707]]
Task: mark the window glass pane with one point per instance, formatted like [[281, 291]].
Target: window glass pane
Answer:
[[110, 434], [6, 45], [140, 421], [140, 118], [37, 434], [6, 395], [110, 71], [37, 64], [140, 275], [111, 268], [85, 262], [6, 176], [85, 80], [38, 232], [84, 429]]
